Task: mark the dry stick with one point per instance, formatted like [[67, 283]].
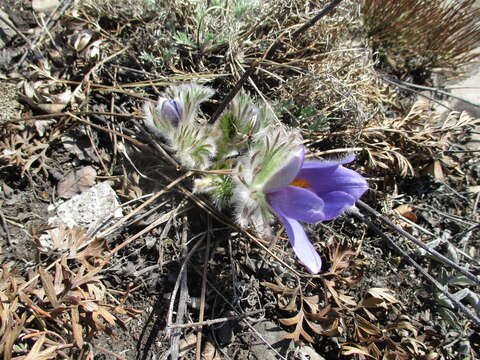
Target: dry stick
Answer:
[[126, 137], [182, 301], [177, 284], [418, 93], [268, 54], [433, 252], [149, 201], [439, 286], [215, 321], [431, 89], [198, 352], [54, 115]]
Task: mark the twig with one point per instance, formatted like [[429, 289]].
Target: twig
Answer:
[[431, 89], [417, 93], [267, 55], [433, 252], [215, 321], [334, 151], [149, 201], [108, 352], [177, 284], [198, 353], [460, 151], [439, 286], [182, 300], [14, 28], [5, 227]]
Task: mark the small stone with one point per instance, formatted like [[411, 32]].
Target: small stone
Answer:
[[44, 5], [88, 209]]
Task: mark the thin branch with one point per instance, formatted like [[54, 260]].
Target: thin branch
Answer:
[[215, 321], [439, 286], [433, 252], [431, 89]]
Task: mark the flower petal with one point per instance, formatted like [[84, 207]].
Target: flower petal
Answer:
[[286, 174], [336, 202], [171, 110], [302, 247], [316, 164], [297, 203], [334, 177]]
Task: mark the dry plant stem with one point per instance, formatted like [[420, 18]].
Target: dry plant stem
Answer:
[[418, 93], [177, 284], [108, 352], [198, 353], [334, 151], [246, 75], [14, 28], [5, 228], [149, 201], [215, 321], [111, 131], [439, 286], [78, 113], [252, 329], [182, 301], [431, 89], [93, 69], [433, 252]]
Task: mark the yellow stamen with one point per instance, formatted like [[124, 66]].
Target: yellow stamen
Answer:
[[300, 183]]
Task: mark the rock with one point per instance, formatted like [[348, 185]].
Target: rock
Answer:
[[44, 5], [275, 336], [88, 209]]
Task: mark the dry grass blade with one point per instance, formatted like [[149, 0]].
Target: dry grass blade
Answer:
[[423, 33]]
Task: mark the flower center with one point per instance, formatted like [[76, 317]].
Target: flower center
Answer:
[[302, 183]]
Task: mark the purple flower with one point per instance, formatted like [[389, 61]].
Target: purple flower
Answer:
[[311, 192], [171, 110]]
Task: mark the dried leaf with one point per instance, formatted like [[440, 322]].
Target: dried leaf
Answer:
[[355, 350], [76, 327], [76, 182], [383, 293], [367, 326], [292, 320], [47, 282], [279, 288], [406, 211]]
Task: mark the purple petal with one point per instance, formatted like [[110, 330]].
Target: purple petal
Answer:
[[286, 174], [297, 203], [172, 111], [317, 164], [336, 202], [334, 177], [302, 247]]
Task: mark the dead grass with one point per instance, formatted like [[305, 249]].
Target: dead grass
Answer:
[[417, 36]]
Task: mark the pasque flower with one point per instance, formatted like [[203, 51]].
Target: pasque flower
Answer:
[[311, 192]]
